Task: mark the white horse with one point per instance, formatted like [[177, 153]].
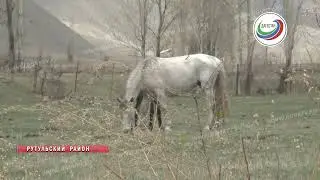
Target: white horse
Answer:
[[175, 76]]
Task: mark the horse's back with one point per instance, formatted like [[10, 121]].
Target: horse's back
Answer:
[[197, 58], [208, 59]]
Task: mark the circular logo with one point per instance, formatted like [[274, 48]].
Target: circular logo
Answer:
[[270, 29]]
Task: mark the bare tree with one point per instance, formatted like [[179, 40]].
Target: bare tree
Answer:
[[2, 12], [165, 20], [137, 24], [9, 9], [181, 29], [240, 3], [250, 47], [206, 19], [212, 27], [3, 61], [292, 18], [143, 20], [19, 33], [237, 45], [317, 15], [235, 54]]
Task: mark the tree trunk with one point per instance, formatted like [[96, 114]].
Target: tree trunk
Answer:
[[239, 49], [20, 33], [284, 74], [158, 39], [180, 48], [283, 85], [159, 30], [214, 49], [250, 47], [9, 8], [143, 26], [249, 77], [292, 26], [235, 45], [240, 32]]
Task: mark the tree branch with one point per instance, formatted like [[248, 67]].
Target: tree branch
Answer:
[[151, 30], [169, 23], [317, 19]]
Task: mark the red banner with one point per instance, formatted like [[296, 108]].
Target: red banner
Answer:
[[63, 148]]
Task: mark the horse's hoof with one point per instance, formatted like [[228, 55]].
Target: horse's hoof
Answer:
[[168, 129], [165, 129], [218, 124], [207, 128], [126, 130]]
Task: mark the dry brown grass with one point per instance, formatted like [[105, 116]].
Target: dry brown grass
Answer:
[[95, 119]]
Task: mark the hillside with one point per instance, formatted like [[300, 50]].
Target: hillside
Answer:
[[41, 29], [51, 24], [88, 19]]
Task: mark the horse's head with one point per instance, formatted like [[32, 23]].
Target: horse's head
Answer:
[[128, 113]]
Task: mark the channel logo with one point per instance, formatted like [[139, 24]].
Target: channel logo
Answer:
[[270, 29]]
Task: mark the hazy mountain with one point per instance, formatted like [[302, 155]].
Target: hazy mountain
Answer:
[[87, 18], [41, 29], [52, 23]]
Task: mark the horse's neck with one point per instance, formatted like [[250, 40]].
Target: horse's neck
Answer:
[[134, 81], [132, 92]]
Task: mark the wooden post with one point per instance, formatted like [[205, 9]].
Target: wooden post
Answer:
[[112, 79], [76, 77], [238, 80], [42, 83], [36, 72]]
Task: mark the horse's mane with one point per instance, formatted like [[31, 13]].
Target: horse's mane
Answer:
[[134, 73], [135, 77]]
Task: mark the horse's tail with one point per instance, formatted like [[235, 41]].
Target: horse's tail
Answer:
[[221, 95]]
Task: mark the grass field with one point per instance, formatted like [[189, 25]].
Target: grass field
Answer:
[[283, 147]]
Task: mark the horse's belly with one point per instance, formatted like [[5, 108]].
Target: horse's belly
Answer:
[[179, 81], [173, 77]]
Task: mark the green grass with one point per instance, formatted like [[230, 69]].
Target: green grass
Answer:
[[284, 149]]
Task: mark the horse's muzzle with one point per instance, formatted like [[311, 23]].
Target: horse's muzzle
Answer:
[[126, 130]]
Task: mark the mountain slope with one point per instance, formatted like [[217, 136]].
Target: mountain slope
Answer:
[[41, 29]]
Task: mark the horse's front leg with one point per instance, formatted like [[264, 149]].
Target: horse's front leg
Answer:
[[137, 107], [151, 115], [159, 114], [162, 104]]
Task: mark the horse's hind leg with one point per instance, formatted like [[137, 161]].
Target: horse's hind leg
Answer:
[[211, 108], [155, 106]]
